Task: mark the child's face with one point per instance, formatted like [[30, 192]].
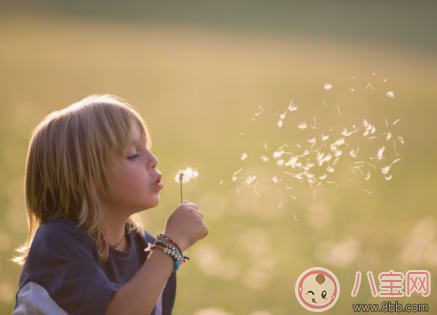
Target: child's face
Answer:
[[317, 294], [134, 178]]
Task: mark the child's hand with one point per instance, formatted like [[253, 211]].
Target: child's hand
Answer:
[[185, 225]]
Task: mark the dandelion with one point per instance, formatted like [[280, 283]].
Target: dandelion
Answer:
[[184, 176]]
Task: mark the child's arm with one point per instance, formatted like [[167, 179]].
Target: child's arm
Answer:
[[186, 226]]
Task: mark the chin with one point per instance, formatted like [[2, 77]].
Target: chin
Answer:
[[153, 203]]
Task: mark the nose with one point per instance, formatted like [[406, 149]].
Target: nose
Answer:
[[152, 161]]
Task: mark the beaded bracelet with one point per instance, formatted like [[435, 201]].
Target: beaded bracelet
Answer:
[[172, 249], [165, 237]]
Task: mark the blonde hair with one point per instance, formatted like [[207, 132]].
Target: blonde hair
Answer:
[[69, 154]]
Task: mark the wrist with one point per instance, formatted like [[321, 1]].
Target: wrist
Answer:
[[179, 241], [168, 246]]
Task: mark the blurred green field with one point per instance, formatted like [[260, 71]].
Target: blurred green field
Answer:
[[198, 89]]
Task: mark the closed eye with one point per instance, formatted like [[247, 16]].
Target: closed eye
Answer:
[[133, 157], [311, 292]]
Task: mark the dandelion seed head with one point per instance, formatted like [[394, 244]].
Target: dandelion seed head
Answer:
[[186, 175]]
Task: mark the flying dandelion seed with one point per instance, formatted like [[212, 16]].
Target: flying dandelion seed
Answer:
[[386, 169], [292, 107], [279, 123], [244, 156], [390, 94], [278, 154], [388, 135], [380, 153], [250, 179], [328, 86], [264, 158], [347, 133], [367, 176], [400, 139], [184, 176], [369, 85], [302, 126], [354, 153]]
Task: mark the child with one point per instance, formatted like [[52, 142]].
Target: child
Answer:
[[89, 172]]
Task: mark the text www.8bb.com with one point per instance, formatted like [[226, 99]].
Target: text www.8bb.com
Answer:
[[389, 307]]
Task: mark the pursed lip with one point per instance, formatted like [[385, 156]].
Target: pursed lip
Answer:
[[157, 182]]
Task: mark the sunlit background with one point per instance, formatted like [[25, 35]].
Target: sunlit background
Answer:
[[199, 72]]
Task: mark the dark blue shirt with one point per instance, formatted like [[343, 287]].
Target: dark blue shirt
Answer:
[[63, 273]]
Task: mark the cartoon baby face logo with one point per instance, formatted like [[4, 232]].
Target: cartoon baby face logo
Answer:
[[317, 289]]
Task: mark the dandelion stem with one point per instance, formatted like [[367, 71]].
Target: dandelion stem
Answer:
[[181, 175], [181, 192]]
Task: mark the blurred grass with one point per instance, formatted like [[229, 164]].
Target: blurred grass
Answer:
[[197, 89]]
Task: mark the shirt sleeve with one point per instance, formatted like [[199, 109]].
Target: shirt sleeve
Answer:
[[63, 261]]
